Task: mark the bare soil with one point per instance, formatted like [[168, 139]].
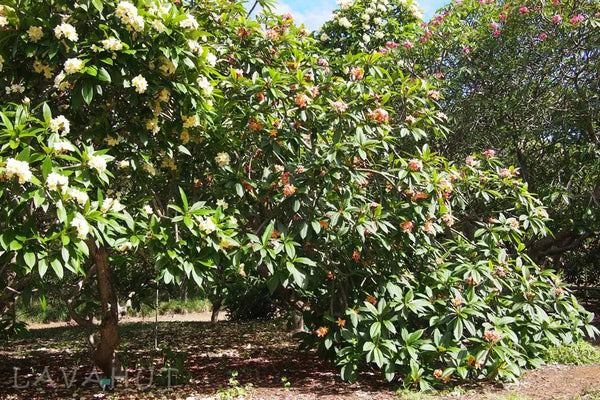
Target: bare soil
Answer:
[[262, 356]]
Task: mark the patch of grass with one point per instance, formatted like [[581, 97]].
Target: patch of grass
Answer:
[[513, 396], [34, 312], [580, 353], [172, 307], [589, 395], [407, 394]]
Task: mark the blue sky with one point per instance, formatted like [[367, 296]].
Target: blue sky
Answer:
[[313, 13]]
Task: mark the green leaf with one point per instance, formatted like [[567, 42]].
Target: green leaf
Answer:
[[266, 236], [299, 276], [47, 113], [42, 267], [239, 189], [57, 267], [98, 5], [103, 75], [29, 259], [87, 91], [184, 200], [375, 330]]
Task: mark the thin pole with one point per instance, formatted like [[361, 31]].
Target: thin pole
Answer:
[[156, 320]]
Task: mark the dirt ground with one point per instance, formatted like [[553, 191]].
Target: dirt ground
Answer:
[[230, 360]]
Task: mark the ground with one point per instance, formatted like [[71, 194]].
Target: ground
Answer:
[[250, 360]]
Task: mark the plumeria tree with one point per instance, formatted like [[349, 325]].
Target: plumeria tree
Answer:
[[521, 77], [208, 147]]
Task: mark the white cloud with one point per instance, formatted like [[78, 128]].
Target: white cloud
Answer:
[[312, 17]]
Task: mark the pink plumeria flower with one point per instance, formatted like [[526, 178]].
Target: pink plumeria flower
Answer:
[[523, 10], [466, 49], [502, 17], [556, 19], [408, 45], [543, 37], [494, 25], [496, 33], [489, 153], [577, 19]]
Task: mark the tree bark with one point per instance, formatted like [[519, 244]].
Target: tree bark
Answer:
[[109, 328]]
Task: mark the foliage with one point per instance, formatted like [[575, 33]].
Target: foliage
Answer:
[[522, 77], [245, 153], [578, 353]]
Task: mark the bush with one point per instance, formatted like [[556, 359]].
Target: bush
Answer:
[[578, 353]]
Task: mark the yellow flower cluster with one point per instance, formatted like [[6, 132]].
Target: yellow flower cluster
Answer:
[[41, 68], [60, 83], [35, 33], [167, 67], [152, 125], [169, 162], [190, 121], [222, 159]]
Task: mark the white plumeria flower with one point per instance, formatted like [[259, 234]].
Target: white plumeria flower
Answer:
[[189, 22], [112, 44], [148, 209], [63, 147], [344, 22], [57, 181], [60, 123], [125, 246], [98, 163], [205, 85], [207, 225], [73, 66], [80, 197], [67, 31], [140, 84], [222, 159], [18, 168], [211, 59], [222, 203], [79, 223]]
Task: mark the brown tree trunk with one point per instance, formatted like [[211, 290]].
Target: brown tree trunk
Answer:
[[216, 307], [109, 328]]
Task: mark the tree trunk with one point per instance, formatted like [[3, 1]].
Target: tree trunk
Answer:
[[216, 306], [109, 328]]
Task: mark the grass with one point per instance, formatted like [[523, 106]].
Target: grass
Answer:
[[580, 353], [58, 311]]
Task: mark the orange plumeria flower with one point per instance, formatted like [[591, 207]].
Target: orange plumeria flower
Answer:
[[322, 331], [289, 190], [372, 300], [302, 100], [341, 322], [356, 255], [407, 226]]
